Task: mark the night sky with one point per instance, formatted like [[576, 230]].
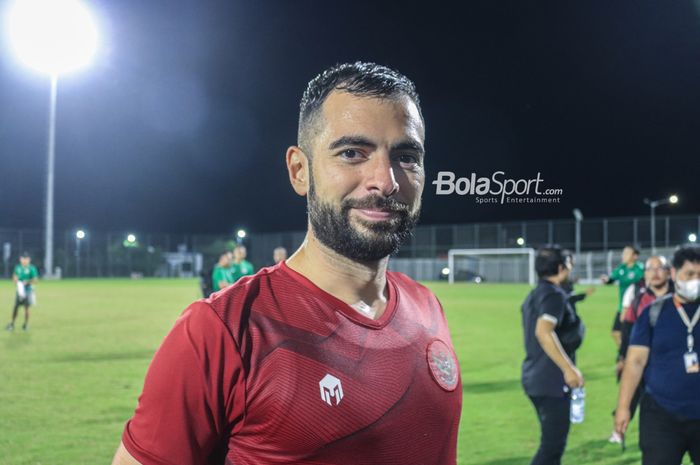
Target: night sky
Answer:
[[182, 123]]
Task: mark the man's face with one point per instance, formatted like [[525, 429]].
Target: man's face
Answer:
[[567, 267], [366, 175], [688, 272], [279, 255], [239, 253], [628, 255], [25, 261], [655, 274]]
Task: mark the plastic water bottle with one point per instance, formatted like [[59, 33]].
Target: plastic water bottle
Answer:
[[578, 403]]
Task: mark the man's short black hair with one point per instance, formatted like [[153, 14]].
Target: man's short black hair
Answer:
[[634, 249], [686, 253], [359, 78], [548, 259], [25, 254]]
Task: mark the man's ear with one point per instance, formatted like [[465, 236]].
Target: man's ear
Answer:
[[298, 169]]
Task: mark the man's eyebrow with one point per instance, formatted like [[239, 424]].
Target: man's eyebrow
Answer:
[[351, 140], [408, 145]]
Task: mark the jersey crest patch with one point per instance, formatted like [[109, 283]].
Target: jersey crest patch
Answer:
[[443, 365]]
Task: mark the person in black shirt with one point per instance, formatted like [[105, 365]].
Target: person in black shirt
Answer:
[[552, 332]]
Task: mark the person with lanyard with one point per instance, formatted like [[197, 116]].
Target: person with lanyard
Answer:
[[25, 276], [626, 274], [662, 349]]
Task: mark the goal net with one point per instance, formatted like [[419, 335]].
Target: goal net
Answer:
[[492, 265]]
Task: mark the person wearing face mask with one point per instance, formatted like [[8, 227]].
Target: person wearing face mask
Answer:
[[663, 349], [552, 333]]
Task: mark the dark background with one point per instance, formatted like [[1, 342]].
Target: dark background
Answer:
[[182, 122]]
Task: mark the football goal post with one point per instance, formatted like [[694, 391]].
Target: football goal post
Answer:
[[492, 265]]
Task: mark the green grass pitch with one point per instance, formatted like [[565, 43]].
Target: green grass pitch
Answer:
[[68, 385]]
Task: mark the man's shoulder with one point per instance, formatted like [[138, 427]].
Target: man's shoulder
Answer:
[[405, 283], [652, 309], [546, 289], [234, 302]]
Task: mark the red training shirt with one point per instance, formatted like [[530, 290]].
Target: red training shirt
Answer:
[[273, 370]]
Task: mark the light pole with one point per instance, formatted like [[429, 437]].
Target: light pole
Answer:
[[53, 37], [129, 243], [79, 236], [579, 217], [673, 199]]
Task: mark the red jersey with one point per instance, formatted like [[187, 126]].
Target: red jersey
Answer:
[[273, 370], [643, 299]]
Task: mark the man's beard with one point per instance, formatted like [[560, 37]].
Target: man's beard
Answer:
[[334, 229]]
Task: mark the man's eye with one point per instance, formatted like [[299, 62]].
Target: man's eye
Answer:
[[407, 159], [350, 154]]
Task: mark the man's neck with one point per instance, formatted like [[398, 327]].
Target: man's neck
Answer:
[[351, 281], [660, 290]]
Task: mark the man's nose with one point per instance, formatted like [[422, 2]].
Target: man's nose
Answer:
[[381, 177]]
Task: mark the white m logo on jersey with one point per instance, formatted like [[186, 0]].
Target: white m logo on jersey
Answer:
[[331, 387]]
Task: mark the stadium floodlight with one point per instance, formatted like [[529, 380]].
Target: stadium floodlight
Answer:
[[495, 264], [579, 218], [53, 37], [520, 241], [673, 199], [79, 236], [692, 237]]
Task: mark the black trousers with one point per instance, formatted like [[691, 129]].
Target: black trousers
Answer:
[[665, 438], [553, 414]]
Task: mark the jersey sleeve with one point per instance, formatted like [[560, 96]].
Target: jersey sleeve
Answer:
[[615, 275], [34, 272], [552, 307], [193, 395], [627, 298], [641, 331]]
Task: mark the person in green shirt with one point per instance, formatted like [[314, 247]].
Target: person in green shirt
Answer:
[[221, 276], [626, 274], [24, 276], [241, 267]]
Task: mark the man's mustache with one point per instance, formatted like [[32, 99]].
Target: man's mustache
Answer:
[[376, 202]]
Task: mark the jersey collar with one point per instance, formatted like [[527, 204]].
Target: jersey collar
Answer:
[[347, 311]]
